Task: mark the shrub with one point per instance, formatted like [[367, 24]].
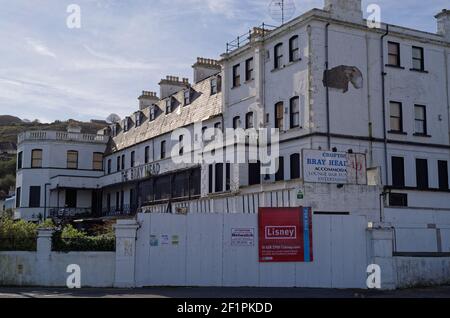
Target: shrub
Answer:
[[17, 236], [72, 240]]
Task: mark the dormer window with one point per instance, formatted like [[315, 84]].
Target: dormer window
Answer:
[[114, 130], [214, 86], [126, 124], [138, 118], [169, 103], [152, 112], [187, 97]]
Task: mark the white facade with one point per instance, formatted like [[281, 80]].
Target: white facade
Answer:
[[348, 111]]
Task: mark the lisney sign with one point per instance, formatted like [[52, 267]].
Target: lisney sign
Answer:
[[285, 235], [334, 167]]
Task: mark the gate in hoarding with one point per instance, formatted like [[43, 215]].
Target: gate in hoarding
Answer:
[[223, 250]]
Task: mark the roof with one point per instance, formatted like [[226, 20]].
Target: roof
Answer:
[[203, 106]]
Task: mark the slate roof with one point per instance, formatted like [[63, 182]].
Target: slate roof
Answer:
[[203, 106]]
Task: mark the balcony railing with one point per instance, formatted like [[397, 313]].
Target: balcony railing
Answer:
[[242, 40], [126, 210], [62, 136]]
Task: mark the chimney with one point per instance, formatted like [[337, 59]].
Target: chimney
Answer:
[[205, 68], [443, 24], [345, 10], [147, 99], [172, 85]]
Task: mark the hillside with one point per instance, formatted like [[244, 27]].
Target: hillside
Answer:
[[10, 128]]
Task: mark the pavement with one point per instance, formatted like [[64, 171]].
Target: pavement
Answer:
[[221, 293]]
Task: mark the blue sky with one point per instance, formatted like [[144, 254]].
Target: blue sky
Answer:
[[48, 71]]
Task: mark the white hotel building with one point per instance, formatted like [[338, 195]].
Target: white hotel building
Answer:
[[325, 79]]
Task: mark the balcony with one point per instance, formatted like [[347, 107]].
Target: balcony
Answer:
[[62, 136]]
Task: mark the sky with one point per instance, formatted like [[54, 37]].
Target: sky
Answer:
[[51, 72]]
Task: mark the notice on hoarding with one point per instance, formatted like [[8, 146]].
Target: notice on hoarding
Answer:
[[285, 235], [165, 239], [243, 237], [334, 167]]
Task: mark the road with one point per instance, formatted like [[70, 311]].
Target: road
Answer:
[[223, 293]]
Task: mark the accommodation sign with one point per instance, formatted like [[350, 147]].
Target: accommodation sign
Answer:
[[334, 167], [141, 172]]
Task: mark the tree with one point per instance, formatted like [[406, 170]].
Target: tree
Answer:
[[113, 118]]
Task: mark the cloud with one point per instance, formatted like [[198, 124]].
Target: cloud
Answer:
[[40, 48]]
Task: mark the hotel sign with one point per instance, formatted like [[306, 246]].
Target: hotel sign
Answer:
[[334, 167], [142, 172]]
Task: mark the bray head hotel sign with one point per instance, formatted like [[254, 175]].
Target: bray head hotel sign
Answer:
[[334, 167], [141, 172]]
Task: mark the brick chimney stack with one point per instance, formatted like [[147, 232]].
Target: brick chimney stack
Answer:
[[147, 99], [345, 10], [205, 68], [172, 85], [443, 24]]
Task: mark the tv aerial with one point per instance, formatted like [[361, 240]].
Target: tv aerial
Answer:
[[282, 10]]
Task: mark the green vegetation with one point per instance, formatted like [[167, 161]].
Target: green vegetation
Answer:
[[7, 175], [22, 236]]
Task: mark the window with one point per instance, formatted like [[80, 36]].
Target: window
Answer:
[[236, 76], [36, 158], [443, 175], [295, 112], [254, 173], [249, 121], [137, 118], [422, 173], [123, 162], [169, 105], [109, 166], [227, 177], [398, 172], [249, 65], [18, 194], [35, 197], [152, 113], [108, 202], [279, 115], [118, 164], [396, 117], [418, 61], [213, 86], [19, 160], [114, 130], [126, 124], [294, 51], [133, 155], [218, 125], [398, 199], [295, 166], [219, 83], [180, 142], [71, 198], [278, 56], [279, 176], [122, 201], [236, 122], [72, 159], [187, 97], [420, 119], [163, 149], [147, 154], [117, 201], [219, 177], [394, 54], [97, 161], [210, 179]]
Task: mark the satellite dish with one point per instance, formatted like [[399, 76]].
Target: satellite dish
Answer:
[[282, 10]]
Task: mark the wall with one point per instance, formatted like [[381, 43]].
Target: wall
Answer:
[[27, 269], [419, 271], [204, 255]]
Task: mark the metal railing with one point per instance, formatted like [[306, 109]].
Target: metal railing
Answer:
[[243, 39], [125, 210], [61, 136]]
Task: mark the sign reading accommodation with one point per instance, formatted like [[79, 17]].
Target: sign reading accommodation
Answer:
[[243, 237], [141, 172], [285, 235], [334, 167]]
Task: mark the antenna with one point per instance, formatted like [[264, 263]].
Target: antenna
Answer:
[[282, 10]]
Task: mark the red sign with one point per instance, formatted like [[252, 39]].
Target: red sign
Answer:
[[285, 235]]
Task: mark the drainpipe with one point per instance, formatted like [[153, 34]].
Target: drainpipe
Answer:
[[447, 86], [45, 200], [309, 31], [327, 90], [383, 94]]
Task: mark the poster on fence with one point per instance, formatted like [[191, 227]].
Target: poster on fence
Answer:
[[285, 235]]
